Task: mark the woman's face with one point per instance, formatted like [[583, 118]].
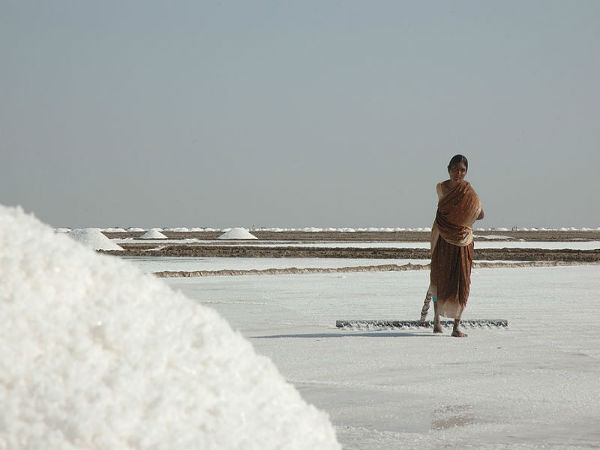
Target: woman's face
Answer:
[[458, 172]]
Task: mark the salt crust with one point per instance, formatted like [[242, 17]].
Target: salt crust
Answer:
[[237, 233], [98, 355], [94, 239]]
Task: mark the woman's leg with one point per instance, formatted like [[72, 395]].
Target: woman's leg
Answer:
[[437, 326], [425, 308], [456, 329], [466, 261]]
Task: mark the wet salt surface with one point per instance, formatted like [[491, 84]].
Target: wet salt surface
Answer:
[[156, 264], [533, 385], [574, 245]]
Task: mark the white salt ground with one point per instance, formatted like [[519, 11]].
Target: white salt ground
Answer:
[[534, 385], [94, 239], [97, 355]]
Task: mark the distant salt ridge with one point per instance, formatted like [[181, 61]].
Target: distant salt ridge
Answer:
[[237, 233], [190, 230], [115, 230], [153, 234], [420, 229], [339, 230], [93, 238], [98, 355], [351, 230]]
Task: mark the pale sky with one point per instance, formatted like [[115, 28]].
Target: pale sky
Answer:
[[293, 114]]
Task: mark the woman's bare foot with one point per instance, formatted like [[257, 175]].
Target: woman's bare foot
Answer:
[[458, 333], [437, 328], [456, 329]]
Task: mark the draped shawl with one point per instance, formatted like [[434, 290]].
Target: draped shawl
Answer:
[[457, 211], [452, 255]]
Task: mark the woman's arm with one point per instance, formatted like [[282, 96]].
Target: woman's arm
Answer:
[[440, 190]]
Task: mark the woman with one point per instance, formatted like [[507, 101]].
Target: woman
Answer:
[[452, 246]]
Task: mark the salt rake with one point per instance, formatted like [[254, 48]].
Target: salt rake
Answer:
[[473, 323]]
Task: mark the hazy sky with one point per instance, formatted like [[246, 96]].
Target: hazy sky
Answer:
[[305, 113]]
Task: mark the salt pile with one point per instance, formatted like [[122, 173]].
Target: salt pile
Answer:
[[237, 233], [153, 234], [97, 355], [94, 239]]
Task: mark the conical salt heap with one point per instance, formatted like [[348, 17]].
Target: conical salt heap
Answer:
[[98, 355], [153, 234], [93, 238], [237, 233]]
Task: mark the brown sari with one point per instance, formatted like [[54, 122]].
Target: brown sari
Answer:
[[452, 249]]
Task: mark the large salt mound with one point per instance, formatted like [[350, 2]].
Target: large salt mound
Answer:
[[97, 355], [237, 233], [94, 239], [153, 234]]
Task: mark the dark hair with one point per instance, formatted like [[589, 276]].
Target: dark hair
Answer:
[[458, 159]]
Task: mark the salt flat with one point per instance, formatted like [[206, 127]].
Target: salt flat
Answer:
[[533, 385]]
